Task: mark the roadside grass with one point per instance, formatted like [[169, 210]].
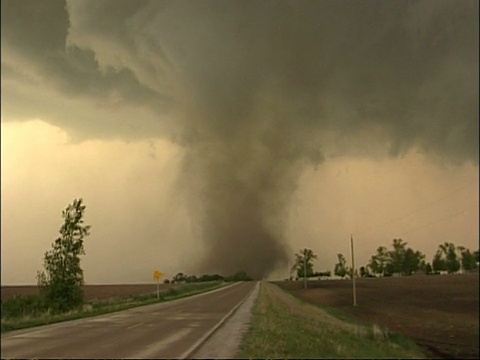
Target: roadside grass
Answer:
[[16, 313], [285, 327], [335, 312]]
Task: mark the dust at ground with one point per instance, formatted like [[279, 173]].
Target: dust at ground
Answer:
[[440, 313]]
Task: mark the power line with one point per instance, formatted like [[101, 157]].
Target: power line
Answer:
[[433, 222], [433, 202]]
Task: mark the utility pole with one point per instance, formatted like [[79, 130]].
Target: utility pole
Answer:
[[353, 272], [304, 271]]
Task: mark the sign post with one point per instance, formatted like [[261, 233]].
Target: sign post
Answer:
[[353, 272], [156, 276], [304, 271]]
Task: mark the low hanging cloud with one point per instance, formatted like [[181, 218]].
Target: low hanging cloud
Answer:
[[254, 91]]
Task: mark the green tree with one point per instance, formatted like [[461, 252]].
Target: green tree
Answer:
[[180, 277], [378, 262], [446, 258], [467, 260], [449, 254], [304, 264], [428, 269], [397, 257], [191, 279], [241, 276], [412, 262], [424, 266], [363, 271], [323, 274], [438, 262], [453, 262], [62, 279], [401, 260], [341, 268]]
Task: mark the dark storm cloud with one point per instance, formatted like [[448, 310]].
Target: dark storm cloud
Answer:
[[256, 89], [41, 74]]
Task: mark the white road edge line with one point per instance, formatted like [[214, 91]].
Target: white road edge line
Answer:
[[202, 340]]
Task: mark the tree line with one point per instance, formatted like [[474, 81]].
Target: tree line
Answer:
[[403, 260], [183, 278], [400, 260]]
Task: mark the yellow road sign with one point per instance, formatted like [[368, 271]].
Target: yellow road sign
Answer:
[[157, 275]]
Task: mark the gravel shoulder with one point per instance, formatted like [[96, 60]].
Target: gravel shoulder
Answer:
[[225, 342]]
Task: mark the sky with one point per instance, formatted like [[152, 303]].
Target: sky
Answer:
[[217, 136]]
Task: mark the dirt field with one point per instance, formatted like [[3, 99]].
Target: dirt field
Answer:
[[99, 292], [440, 313]]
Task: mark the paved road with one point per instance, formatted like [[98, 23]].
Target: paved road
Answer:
[[167, 330]]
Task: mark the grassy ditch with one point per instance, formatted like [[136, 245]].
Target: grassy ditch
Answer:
[[285, 327], [30, 311]]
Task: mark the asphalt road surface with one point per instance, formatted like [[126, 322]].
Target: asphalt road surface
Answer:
[[174, 329]]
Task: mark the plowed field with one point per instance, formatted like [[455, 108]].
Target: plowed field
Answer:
[[439, 312], [99, 292]]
